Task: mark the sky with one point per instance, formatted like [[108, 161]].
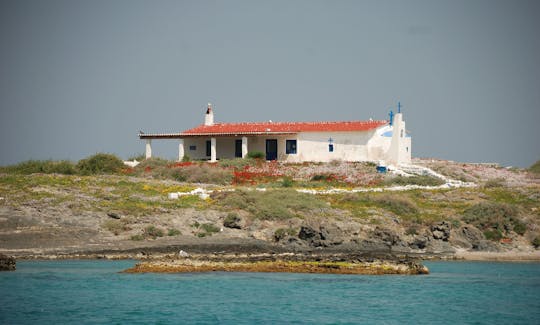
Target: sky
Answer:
[[81, 77]]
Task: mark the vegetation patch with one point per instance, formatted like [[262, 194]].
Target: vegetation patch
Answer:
[[153, 232], [116, 226], [496, 219], [232, 220], [421, 180], [494, 182], [173, 232], [205, 229], [256, 155], [100, 163], [41, 166], [271, 204], [281, 233], [535, 168]]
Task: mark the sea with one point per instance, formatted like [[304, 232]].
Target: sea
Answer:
[[95, 292]]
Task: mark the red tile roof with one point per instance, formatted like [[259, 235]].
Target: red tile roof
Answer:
[[281, 127]]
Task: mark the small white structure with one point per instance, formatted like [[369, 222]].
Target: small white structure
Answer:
[[294, 141]]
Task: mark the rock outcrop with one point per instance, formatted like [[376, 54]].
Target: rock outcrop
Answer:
[[7, 263]]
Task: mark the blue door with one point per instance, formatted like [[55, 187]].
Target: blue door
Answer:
[[271, 149]]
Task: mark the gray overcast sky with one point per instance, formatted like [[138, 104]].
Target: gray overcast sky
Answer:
[[80, 77]]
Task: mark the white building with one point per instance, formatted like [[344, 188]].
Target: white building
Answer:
[[294, 141]]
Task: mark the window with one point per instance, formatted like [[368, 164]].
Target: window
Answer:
[[331, 147], [290, 147], [192, 148], [208, 148], [402, 133]]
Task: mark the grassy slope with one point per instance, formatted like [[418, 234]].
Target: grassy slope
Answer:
[[143, 192]]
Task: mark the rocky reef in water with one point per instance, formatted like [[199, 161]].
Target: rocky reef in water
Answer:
[[290, 263]]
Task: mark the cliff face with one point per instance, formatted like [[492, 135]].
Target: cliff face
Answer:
[[63, 214]]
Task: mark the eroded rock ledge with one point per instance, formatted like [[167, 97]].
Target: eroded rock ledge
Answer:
[[290, 263]]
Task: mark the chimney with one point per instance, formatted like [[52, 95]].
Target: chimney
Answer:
[[209, 117]]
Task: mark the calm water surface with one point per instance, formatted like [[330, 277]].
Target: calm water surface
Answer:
[[60, 292]]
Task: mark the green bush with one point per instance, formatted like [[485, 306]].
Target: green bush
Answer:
[[535, 168], [271, 204], [494, 218], [536, 242], [209, 228], [287, 182], [174, 232], [413, 230], [398, 205], [490, 215], [42, 166], [138, 157], [232, 220], [281, 233], [494, 182], [152, 232], [520, 228], [100, 163], [137, 237], [115, 226], [205, 229], [202, 173], [237, 163], [493, 234], [256, 155], [423, 180]]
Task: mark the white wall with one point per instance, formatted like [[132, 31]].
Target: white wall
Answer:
[[348, 146]]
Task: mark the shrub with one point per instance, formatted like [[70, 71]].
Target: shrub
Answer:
[[489, 214], [413, 230], [206, 229], [42, 166], [100, 163], [493, 234], [287, 182], [232, 220], [536, 242], [186, 158], [319, 177], [535, 168], [138, 157], [494, 218], [174, 232], [137, 237], [520, 228], [421, 180], [281, 233], [256, 155], [202, 173], [270, 205], [149, 165], [209, 228], [115, 226], [237, 163], [396, 204], [494, 182], [152, 232]]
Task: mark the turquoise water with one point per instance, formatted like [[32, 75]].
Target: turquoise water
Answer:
[[63, 292]]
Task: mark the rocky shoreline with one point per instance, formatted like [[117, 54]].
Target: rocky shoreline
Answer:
[[7, 263]]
